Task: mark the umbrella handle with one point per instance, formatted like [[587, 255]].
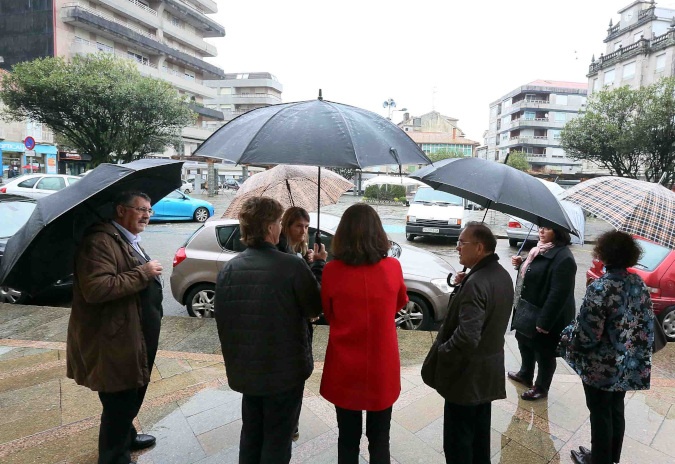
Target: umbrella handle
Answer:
[[317, 237]]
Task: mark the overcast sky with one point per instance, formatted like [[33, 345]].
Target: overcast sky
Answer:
[[451, 56]]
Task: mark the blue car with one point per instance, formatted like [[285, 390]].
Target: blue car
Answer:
[[178, 206]]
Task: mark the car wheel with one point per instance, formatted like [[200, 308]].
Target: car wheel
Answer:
[[667, 319], [199, 301], [201, 214], [12, 296], [415, 315], [513, 242], [410, 237]]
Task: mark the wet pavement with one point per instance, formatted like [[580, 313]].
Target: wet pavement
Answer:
[[46, 418]]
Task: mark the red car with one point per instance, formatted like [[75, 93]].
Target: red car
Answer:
[[657, 269]]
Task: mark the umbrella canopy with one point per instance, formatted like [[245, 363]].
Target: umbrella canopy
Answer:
[[42, 251], [391, 180], [497, 186], [313, 133], [630, 205], [291, 186]]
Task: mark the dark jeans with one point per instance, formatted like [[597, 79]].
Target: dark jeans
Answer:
[[117, 430], [539, 350], [466, 433], [350, 425], [268, 423], [607, 424]]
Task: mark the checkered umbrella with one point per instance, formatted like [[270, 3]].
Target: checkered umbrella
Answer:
[[292, 186], [630, 205]]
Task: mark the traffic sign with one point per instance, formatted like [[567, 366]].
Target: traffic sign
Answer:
[[29, 142]]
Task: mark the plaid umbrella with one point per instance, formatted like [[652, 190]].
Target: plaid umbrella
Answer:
[[292, 186], [630, 205]]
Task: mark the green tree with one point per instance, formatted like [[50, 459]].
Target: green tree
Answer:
[[444, 153], [608, 132], [518, 160], [99, 104]]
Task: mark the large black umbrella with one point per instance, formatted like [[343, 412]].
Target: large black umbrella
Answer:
[[499, 187], [42, 251]]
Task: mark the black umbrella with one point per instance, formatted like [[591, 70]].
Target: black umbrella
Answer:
[[42, 251], [497, 186], [314, 133]]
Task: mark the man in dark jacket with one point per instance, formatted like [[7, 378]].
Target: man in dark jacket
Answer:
[[470, 372], [113, 332], [262, 303]]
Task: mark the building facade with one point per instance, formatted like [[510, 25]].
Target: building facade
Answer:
[[639, 48], [530, 118], [238, 93], [164, 38], [434, 133]]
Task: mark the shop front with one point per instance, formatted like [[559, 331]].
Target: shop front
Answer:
[[73, 163], [11, 158]]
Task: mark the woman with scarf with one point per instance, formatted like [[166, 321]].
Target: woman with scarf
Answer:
[[546, 281]]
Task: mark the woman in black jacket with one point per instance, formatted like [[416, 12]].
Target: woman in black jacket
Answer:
[[546, 281]]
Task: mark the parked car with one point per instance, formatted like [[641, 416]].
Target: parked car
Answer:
[[38, 185], [197, 262], [177, 206], [186, 187], [231, 184], [19, 208], [434, 213], [657, 268]]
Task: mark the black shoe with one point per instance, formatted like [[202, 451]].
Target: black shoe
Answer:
[[142, 441], [580, 458], [584, 450], [533, 394], [515, 376]]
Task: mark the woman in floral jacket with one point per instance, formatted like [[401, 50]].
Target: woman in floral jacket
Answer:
[[610, 345]]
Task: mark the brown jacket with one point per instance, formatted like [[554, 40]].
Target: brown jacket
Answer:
[[471, 341], [106, 349]]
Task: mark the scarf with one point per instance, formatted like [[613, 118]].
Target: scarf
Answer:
[[540, 248]]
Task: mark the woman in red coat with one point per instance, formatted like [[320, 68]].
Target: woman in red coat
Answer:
[[362, 289]]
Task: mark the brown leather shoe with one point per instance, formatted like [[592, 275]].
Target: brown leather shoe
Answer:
[[517, 378], [533, 394]]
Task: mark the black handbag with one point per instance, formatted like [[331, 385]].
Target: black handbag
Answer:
[[660, 339], [429, 366], [525, 318]]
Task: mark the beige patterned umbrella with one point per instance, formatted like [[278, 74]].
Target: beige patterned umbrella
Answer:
[[292, 185]]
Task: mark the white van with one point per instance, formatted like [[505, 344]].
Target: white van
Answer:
[[434, 213]]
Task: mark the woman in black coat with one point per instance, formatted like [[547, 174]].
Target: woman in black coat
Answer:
[[546, 281]]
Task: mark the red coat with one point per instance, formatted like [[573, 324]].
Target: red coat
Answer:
[[363, 368]]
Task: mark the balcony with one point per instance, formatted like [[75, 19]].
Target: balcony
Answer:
[[175, 78], [535, 105], [644, 16], [253, 99], [196, 17], [537, 141], [118, 30], [134, 10], [642, 46], [539, 122], [190, 39], [197, 133]]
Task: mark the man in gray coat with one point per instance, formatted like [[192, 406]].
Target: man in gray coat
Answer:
[[470, 372]]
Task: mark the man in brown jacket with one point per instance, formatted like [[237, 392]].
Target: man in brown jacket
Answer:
[[470, 372], [115, 321]]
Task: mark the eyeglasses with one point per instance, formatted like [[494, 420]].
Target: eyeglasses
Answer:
[[141, 210], [461, 243]]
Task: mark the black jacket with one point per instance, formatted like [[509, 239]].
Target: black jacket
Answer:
[[549, 284], [263, 299]]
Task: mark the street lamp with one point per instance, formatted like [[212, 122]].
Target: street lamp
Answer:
[[390, 105]]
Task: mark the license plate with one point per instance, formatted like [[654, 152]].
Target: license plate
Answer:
[[430, 230]]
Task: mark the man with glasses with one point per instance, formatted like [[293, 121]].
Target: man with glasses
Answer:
[[470, 344], [115, 321]]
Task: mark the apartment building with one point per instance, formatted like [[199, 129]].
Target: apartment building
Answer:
[[434, 132], [238, 93], [530, 118], [639, 48], [164, 38]]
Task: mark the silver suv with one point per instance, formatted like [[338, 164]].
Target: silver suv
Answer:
[[197, 262]]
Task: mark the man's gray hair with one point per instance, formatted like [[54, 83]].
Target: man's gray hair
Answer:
[[482, 233]]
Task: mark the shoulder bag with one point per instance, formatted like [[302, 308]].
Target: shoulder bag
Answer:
[[525, 318]]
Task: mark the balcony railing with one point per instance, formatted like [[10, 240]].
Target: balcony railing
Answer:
[[257, 95], [143, 7], [641, 46], [90, 47], [107, 17]]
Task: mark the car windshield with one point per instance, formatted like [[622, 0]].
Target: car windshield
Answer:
[[19, 211], [652, 255], [429, 195]]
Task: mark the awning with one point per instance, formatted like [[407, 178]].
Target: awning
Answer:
[[45, 149], [63, 156]]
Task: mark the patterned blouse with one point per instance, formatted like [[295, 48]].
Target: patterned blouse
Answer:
[[610, 343]]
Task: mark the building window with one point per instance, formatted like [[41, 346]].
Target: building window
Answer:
[[175, 21], [506, 120], [242, 76], [596, 85], [560, 117], [103, 47], [138, 57], [561, 99], [529, 115], [629, 70], [609, 77], [637, 36], [189, 75], [556, 134], [225, 91], [660, 62]]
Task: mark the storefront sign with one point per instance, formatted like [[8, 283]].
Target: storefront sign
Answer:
[[12, 146], [51, 164]]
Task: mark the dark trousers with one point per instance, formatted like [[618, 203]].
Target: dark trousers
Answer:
[[607, 424], [350, 425], [268, 423], [466, 433], [539, 350], [117, 430]]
